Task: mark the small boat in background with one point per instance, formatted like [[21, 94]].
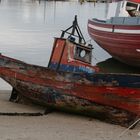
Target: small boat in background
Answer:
[[123, 8], [119, 36], [72, 84]]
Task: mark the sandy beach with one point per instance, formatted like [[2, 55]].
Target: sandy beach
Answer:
[[55, 125]]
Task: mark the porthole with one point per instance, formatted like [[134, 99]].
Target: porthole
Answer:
[[82, 53]]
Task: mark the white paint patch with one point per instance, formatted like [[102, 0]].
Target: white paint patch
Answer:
[[100, 28]]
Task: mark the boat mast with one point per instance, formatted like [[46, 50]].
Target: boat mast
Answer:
[[75, 31]]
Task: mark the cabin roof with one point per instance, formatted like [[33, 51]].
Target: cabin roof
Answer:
[[136, 1]]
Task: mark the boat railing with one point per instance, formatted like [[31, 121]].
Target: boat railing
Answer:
[[124, 20], [120, 21], [99, 20]]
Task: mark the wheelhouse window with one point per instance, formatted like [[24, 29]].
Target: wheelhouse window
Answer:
[[131, 6], [133, 9], [83, 53]]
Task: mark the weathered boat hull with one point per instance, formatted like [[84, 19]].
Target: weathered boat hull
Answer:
[[110, 97], [120, 41]]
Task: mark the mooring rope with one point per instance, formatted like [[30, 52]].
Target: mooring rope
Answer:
[[20, 114], [15, 82], [131, 126], [47, 111]]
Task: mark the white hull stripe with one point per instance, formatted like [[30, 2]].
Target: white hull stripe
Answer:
[[115, 30]]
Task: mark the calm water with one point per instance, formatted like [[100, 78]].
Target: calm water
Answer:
[[28, 27]]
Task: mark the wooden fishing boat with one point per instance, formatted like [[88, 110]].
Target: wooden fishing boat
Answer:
[[119, 36], [113, 98]]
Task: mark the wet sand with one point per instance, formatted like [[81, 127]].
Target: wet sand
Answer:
[[55, 125]]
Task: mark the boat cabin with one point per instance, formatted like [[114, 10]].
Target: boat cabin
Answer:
[[70, 56], [123, 8], [71, 53]]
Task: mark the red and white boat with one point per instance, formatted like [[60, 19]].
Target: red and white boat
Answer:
[[119, 36]]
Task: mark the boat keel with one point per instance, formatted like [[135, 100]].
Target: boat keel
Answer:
[[14, 96]]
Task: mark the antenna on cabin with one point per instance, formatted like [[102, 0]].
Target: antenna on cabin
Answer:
[[75, 31]]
